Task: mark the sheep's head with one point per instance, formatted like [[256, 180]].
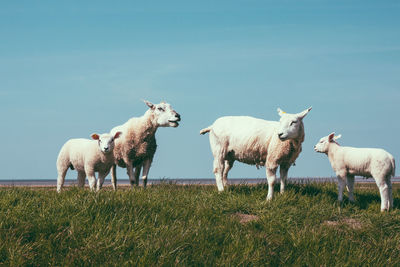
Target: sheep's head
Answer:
[[291, 125], [165, 115], [106, 141], [323, 145]]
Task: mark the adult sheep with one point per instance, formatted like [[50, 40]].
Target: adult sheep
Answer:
[[87, 157], [138, 145], [256, 142], [368, 162]]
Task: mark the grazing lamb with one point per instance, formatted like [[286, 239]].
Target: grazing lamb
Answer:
[[87, 157], [257, 142], [368, 162], [137, 147]]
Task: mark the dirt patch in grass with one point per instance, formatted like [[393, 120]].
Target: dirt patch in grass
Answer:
[[353, 223], [245, 218]]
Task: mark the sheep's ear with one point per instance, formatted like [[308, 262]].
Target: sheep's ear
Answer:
[[95, 136], [331, 136], [149, 104], [281, 112], [337, 137], [304, 113], [117, 135]]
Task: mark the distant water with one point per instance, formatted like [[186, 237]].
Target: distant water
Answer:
[[183, 181]]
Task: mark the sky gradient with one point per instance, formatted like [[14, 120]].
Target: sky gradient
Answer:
[[68, 69]]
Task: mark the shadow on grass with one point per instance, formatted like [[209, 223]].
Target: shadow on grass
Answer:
[[314, 189], [363, 199], [367, 198], [303, 189], [245, 189]]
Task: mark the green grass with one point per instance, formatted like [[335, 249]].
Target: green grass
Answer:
[[194, 225]]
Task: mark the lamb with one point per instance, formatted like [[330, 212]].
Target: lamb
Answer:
[[256, 142], [368, 162], [87, 157], [137, 147]]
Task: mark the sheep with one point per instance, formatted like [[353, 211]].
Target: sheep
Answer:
[[368, 162], [137, 147], [256, 142], [87, 157]]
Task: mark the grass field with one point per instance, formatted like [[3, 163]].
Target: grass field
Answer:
[[194, 225]]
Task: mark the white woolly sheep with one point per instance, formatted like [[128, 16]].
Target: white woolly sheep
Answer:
[[137, 147], [87, 157], [257, 142], [368, 162]]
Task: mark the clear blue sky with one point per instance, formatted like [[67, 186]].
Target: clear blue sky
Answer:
[[71, 68]]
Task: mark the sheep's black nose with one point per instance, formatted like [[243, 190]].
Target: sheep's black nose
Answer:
[[178, 116], [280, 134]]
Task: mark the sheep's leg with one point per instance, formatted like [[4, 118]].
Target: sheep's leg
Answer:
[[62, 171], [350, 187], [114, 176], [341, 185], [227, 166], [384, 192], [91, 177], [219, 153], [283, 175], [136, 174], [389, 184], [219, 160], [129, 171], [218, 172], [81, 178], [271, 177], [146, 168], [100, 182]]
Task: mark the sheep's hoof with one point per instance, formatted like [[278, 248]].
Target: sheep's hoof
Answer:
[[385, 210], [337, 203]]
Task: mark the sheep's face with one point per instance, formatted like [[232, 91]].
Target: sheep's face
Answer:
[[291, 125], [323, 145], [166, 116], [106, 141]]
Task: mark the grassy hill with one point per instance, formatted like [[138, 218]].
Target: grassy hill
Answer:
[[195, 225]]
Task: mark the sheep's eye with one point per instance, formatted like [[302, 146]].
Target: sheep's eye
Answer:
[[293, 122], [160, 109]]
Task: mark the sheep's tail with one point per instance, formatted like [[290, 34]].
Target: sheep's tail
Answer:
[[205, 130]]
